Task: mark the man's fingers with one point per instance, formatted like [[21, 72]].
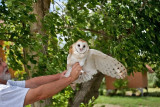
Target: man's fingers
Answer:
[[64, 71], [76, 65], [80, 68], [76, 68]]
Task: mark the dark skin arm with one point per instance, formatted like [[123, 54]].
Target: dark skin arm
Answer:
[[48, 90]]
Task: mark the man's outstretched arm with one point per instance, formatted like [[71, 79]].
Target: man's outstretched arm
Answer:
[[52, 88], [37, 81]]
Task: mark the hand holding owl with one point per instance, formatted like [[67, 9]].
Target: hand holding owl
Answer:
[[92, 61], [75, 71]]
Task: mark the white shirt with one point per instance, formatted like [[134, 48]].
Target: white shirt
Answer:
[[13, 94]]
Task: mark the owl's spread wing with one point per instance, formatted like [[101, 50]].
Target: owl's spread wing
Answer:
[[83, 78], [108, 65]]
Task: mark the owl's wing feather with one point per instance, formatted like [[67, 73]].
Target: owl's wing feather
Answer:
[[108, 65], [83, 78]]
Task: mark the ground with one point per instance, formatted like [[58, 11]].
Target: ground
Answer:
[[106, 105], [150, 100]]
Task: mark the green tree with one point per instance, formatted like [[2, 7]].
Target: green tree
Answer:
[[128, 30]]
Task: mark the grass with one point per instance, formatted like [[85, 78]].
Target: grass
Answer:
[[151, 100], [130, 101]]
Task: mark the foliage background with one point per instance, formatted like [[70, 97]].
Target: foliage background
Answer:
[[128, 30]]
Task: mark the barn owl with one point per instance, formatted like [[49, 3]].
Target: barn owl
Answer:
[[92, 61]]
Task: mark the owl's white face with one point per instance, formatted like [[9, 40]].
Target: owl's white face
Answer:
[[81, 47]]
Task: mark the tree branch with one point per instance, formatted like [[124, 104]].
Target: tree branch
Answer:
[[87, 91], [9, 39], [6, 33], [6, 39], [101, 32]]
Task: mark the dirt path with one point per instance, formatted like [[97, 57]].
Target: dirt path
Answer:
[[106, 105]]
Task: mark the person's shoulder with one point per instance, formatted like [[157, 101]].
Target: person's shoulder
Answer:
[[10, 94]]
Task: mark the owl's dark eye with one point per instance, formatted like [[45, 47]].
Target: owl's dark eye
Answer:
[[84, 46], [78, 45]]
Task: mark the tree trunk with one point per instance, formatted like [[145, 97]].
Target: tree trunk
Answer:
[[40, 9], [87, 91]]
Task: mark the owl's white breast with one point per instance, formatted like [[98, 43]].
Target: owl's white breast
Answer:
[[72, 59]]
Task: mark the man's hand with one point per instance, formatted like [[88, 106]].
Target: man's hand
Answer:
[[62, 74], [75, 71]]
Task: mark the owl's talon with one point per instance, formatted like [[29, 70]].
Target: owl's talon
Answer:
[[82, 71]]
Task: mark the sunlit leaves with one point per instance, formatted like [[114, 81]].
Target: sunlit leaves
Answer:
[[130, 28]]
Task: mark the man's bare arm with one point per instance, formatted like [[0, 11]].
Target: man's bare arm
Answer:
[[37, 81], [46, 90], [50, 89]]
